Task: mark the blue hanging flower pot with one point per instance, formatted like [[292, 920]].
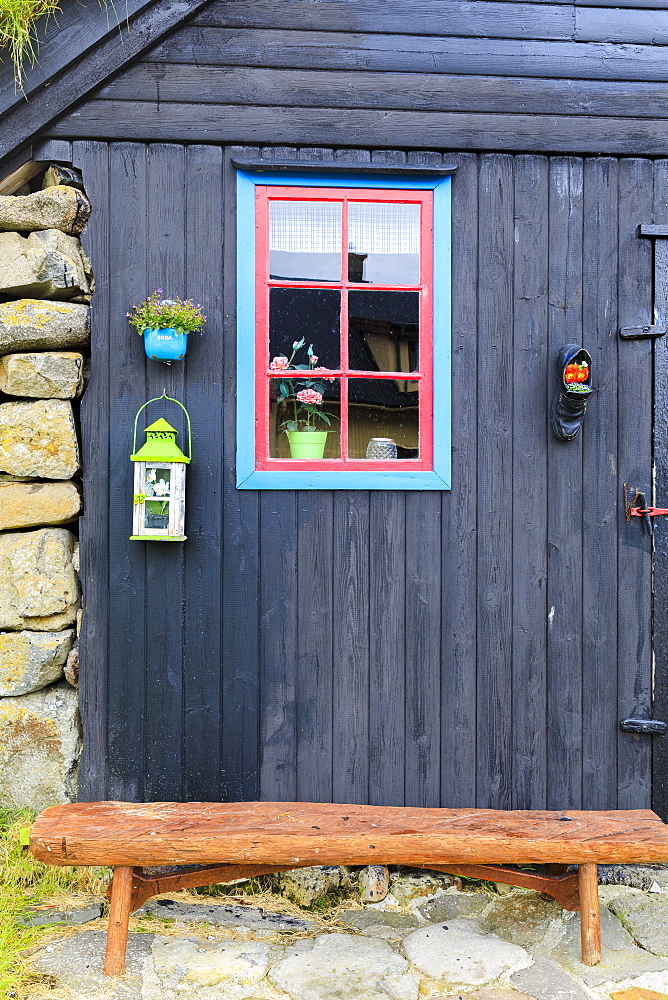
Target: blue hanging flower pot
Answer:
[[165, 344]]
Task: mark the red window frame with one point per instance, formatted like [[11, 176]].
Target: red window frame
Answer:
[[263, 283]]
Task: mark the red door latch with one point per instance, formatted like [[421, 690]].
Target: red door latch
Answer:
[[640, 508]]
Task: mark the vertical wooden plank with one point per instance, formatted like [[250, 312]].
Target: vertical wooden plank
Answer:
[[278, 627], [660, 443], [315, 635], [203, 550], [634, 594], [387, 649], [240, 623], [565, 499], [351, 710], [423, 630], [529, 557], [601, 487], [458, 547], [93, 160], [127, 591], [494, 499], [377, 547], [165, 562]]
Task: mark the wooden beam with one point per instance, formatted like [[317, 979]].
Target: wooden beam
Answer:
[[590, 918], [119, 914], [12, 182], [296, 834]]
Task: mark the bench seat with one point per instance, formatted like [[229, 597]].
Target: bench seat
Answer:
[[223, 841]]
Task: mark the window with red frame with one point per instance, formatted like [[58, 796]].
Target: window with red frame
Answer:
[[344, 328]]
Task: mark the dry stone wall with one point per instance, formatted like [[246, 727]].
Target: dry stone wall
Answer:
[[46, 284]]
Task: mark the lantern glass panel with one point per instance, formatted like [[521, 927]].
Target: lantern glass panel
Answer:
[[158, 491]]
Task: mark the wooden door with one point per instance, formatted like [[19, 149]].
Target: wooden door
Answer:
[[476, 647]]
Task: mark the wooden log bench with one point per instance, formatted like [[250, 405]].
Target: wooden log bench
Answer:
[[220, 842]]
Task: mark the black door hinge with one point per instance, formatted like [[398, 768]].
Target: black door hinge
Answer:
[[652, 726], [640, 332]]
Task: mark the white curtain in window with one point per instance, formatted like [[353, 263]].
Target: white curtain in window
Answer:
[[315, 227], [383, 228], [305, 226]]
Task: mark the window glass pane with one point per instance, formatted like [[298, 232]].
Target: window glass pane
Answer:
[[382, 417], [311, 407], [157, 510], [384, 243], [305, 240], [383, 330], [308, 314]]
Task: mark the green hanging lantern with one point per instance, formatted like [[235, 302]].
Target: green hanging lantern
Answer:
[[160, 480]]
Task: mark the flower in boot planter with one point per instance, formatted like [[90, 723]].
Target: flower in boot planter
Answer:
[[165, 325]]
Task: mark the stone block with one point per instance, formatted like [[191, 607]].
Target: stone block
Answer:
[[305, 885], [39, 589], [39, 747], [31, 660], [646, 919], [545, 980], [61, 173], [38, 439], [457, 953], [79, 913], [226, 915], [447, 906], [45, 265], [47, 375], [235, 967], [35, 324], [55, 207], [523, 919], [340, 965], [28, 505], [76, 963]]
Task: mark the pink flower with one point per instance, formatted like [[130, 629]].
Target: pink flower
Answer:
[[314, 359], [321, 371], [279, 363], [310, 396]]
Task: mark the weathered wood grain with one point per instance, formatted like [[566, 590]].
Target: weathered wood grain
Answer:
[[420, 91], [601, 485], [361, 51], [529, 508], [634, 457], [660, 444], [233, 124], [565, 497], [165, 564], [202, 680], [119, 911], [493, 502], [590, 920], [93, 159], [452, 17], [126, 681], [120, 833]]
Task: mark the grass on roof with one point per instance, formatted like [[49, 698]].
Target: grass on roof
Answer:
[[17, 29]]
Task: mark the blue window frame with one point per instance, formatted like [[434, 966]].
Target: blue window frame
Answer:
[[249, 476]]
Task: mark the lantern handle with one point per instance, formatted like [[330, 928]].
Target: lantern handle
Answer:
[[156, 399]]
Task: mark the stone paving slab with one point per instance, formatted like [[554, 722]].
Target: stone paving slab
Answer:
[[457, 952], [38, 915], [646, 918], [225, 915], [77, 962], [545, 980]]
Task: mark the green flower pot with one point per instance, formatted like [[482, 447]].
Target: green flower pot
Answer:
[[307, 445]]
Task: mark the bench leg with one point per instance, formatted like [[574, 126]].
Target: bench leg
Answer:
[[590, 917], [119, 914]]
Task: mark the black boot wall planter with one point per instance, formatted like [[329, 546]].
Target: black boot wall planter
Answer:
[[570, 402]]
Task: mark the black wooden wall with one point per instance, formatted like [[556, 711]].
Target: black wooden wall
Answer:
[[472, 647]]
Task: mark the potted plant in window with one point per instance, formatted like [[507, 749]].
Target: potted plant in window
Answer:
[[305, 397], [165, 325]]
